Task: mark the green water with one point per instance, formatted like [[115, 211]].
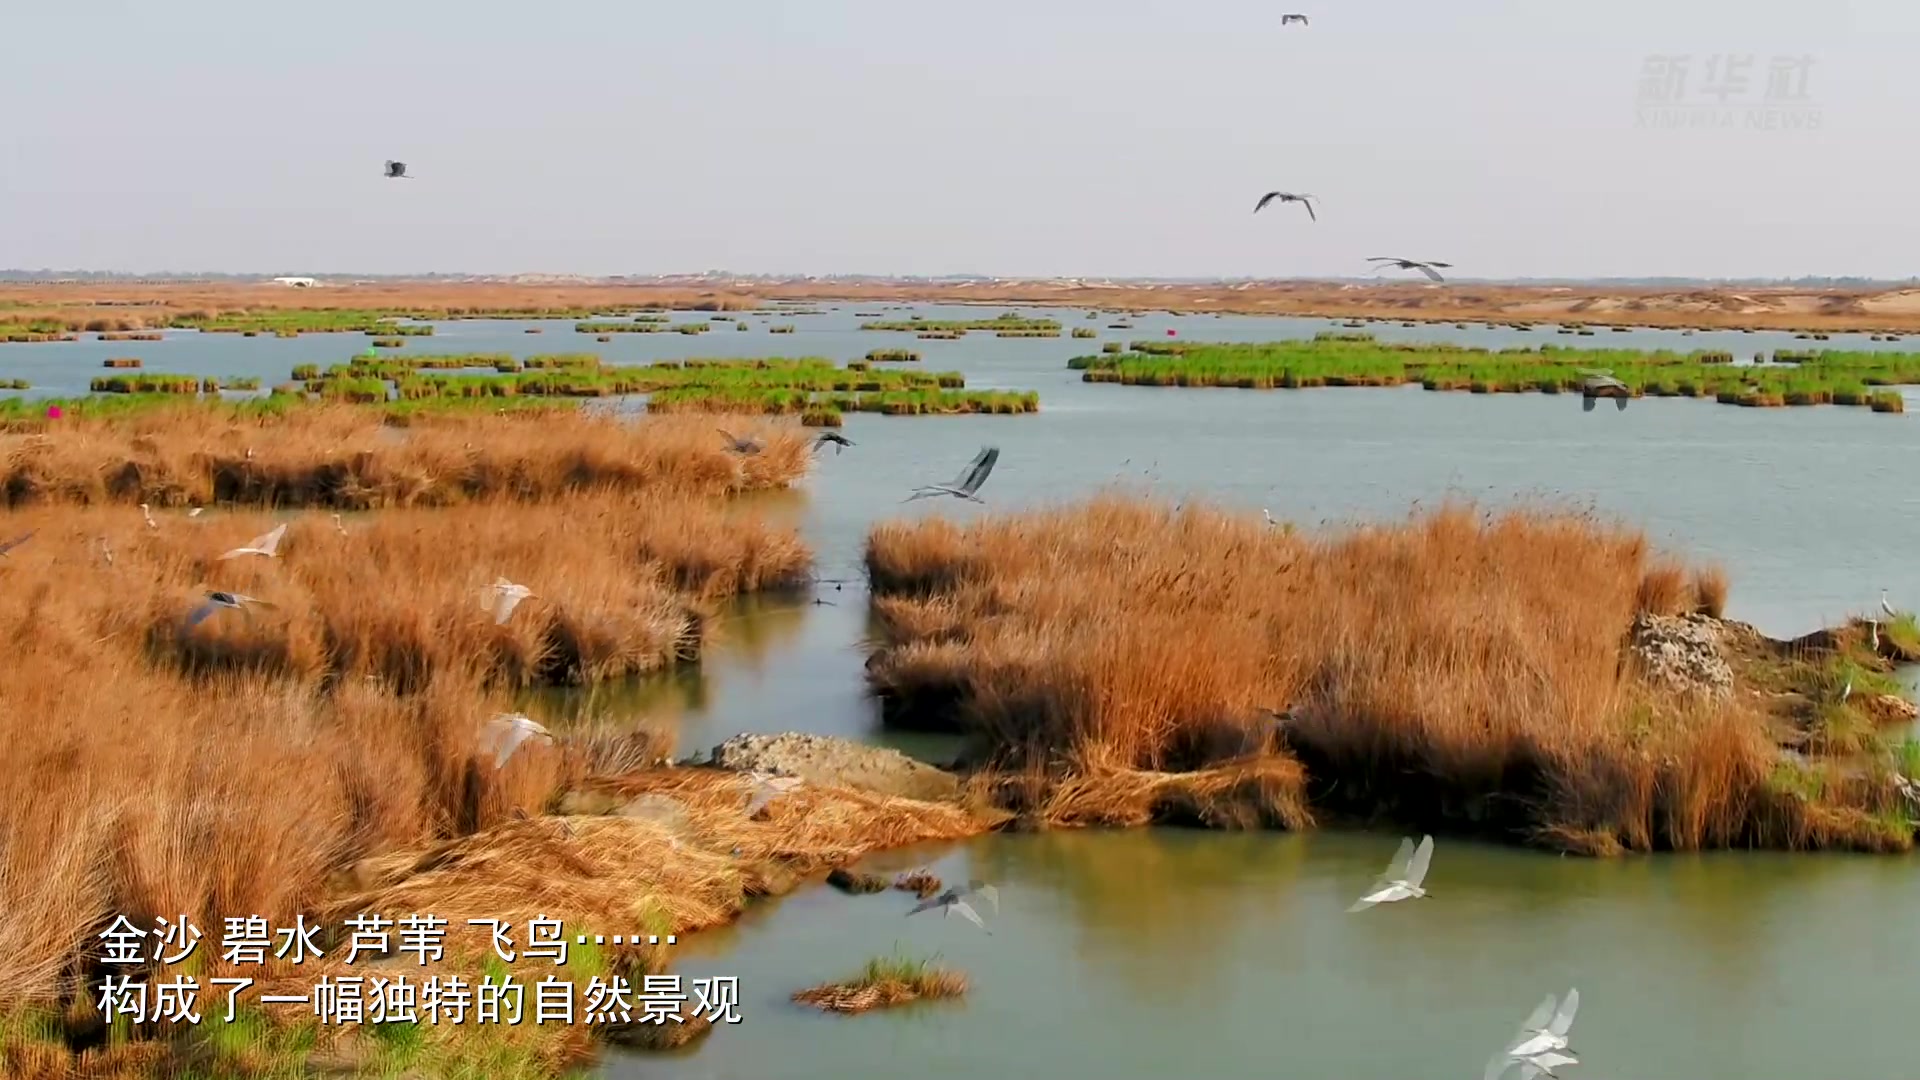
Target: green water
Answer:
[[1155, 954]]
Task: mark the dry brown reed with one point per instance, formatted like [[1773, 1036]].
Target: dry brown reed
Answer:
[[352, 458], [1122, 661], [885, 983]]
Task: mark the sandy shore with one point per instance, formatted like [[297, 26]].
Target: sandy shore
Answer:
[[125, 306]]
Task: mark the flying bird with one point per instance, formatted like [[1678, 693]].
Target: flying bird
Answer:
[[504, 734], [217, 600], [267, 544], [955, 899], [196, 511], [1532, 1068], [968, 482], [1426, 268], [739, 445], [397, 170], [1599, 384], [17, 541], [1403, 877], [501, 598], [1301, 19], [1287, 197], [766, 787], [840, 442], [1545, 1028]]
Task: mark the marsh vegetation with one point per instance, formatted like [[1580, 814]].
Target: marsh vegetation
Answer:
[[1810, 378], [1121, 662]]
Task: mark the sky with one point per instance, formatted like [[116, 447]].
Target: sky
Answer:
[[1046, 137]]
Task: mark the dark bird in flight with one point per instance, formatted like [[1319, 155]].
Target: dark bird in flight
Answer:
[[397, 170], [839, 441], [739, 445], [1426, 268], [1301, 19], [967, 483], [1599, 384], [1286, 197]]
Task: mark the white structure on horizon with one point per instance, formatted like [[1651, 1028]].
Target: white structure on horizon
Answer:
[[294, 282]]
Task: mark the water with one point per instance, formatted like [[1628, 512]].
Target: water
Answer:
[[1147, 954]]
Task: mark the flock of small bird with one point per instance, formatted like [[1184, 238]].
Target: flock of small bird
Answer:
[[1540, 1046]]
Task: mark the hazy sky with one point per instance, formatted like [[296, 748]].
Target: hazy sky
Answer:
[[1061, 137]]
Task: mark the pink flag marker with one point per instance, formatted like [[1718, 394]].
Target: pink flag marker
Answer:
[[53, 412]]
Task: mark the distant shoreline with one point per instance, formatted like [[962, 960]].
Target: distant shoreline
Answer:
[[131, 305]]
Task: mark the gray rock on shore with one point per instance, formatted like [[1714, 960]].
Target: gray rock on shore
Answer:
[[1682, 652], [833, 762]]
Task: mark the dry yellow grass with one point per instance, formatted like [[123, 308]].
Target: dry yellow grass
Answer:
[[350, 458], [1124, 661]]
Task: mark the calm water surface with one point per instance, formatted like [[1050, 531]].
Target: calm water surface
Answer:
[[1168, 953]]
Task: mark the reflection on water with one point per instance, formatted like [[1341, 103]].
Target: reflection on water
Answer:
[[1150, 954]]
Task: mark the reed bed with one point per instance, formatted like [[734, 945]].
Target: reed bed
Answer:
[[252, 768], [1121, 661], [1356, 360], [131, 336], [893, 356], [344, 457]]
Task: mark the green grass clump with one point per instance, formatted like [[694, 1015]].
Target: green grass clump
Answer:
[[1330, 360], [145, 383], [884, 356], [1006, 325], [648, 326]]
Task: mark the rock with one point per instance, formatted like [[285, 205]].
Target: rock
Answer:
[[855, 882], [1682, 652], [831, 762], [1890, 709]]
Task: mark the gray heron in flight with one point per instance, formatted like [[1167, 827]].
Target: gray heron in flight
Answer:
[[1294, 18], [840, 442], [1599, 384], [955, 899], [218, 600], [739, 445], [766, 787], [397, 170], [1286, 197], [1426, 267], [967, 483]]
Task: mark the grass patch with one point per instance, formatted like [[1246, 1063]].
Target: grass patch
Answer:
[[886, 982], [1008, 324], [1336, 359]]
